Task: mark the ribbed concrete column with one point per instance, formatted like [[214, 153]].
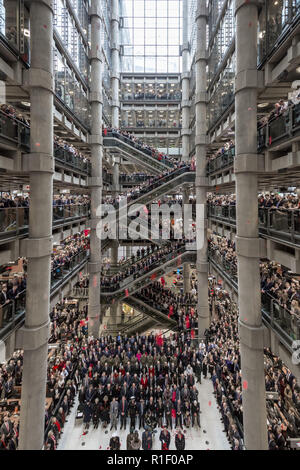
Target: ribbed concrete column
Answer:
[[116, 177], [186, 266], [201, 180], [115, 61], [185, 85], [33, 337], [95, 182], [247, 241], [115, 307]]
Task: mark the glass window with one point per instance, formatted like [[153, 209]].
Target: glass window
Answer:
[[150, 6], [173, 36], [139, 64], [139, 37], [162, 36], [139, 8], [162, 8], [150, 36]]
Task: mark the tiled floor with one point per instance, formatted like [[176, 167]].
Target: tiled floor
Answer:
[[210, 436]]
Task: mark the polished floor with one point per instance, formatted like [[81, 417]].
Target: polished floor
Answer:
[[209, 437]]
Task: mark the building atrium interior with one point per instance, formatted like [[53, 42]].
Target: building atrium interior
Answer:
[[150, 225]]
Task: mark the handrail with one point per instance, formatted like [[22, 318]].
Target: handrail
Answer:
[[16, 219], [18, 133], [284, 125], [280, 222], [279, 318], [15, 309]]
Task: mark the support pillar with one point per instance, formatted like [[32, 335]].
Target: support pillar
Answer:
[[186, 266], [95, 182], [185, 86], [201, 179], [116, 177], [115, 314], [247, 241], [115, 60], [33, 336]]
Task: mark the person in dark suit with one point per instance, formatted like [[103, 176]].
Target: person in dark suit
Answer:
[[147, 440], [165, 438], [180, 440], [141, 412], [168, 413], [123, 408], [114, 443]]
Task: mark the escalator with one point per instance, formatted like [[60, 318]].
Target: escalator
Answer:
[[144, 307], [133, 283], [132, 151]]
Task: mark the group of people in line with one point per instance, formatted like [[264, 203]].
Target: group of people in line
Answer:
[[141, 267], [265, 200], [141, 145]]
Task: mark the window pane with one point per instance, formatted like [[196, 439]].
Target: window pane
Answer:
[[150, 36], [162, 35], [173, 36], [139, 64], [138, 8]]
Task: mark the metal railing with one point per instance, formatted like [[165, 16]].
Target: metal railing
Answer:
[[281, 223], [12, 314], [282, 320], [282, 126], [18, 133], [15, 220], [115, 139]]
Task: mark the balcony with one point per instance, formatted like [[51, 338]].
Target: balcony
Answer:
[[282, 224], [12, 314], [279, 129], [14, 221], [280, 319], [15, 134]]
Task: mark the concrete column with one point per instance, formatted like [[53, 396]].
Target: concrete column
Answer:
[[185, 86], [186, 266], [33, 336], [115, 60], [115, 307], [116, 177], [95, 182], [247, 241], [201, 180]]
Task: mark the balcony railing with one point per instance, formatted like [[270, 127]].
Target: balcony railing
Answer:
[[283, 126], [12, 314], [15, 220], [283, 224], [279, 318], [18, 134]]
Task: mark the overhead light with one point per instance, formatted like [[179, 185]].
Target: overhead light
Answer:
[[263, 105], [298, 69], [25, 103]]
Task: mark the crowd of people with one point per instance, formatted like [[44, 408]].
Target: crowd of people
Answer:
[[144, 381], [265, 200], [180, 307], [153, 182], [72, 246], [223, 360], [68, 328], [141, 145], [136, 269], [59, 143]]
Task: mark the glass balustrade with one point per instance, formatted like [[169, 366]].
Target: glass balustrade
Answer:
[[12, 312], [16, 219]]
